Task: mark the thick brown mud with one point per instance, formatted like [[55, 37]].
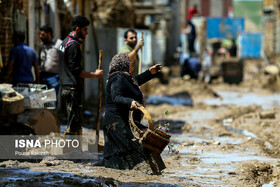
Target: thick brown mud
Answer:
[[229, 136]]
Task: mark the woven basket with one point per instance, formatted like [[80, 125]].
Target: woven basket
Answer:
[[154, 140]]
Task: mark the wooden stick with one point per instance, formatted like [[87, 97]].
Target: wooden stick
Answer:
[[140, 59], [99, 98]]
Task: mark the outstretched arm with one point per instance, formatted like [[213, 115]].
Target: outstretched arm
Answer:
[[155, 69], [148, 75], [98, 74]]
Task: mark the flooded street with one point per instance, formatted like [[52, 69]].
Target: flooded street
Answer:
[[212, 154], [222, 135], [205, 75]]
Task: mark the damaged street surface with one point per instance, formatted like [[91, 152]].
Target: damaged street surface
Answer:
[[222, 135]]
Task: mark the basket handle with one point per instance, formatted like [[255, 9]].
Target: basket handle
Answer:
[[147, 115]]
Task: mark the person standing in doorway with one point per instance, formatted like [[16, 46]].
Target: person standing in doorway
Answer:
[[131, 47], [71, 74]]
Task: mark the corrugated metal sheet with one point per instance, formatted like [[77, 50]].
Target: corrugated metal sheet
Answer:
[[221, 27], [250, 45]]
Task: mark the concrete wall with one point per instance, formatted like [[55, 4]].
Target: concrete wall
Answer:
[[174, 31], [107, 42], [159, 48], [216, 8], [31, 23]]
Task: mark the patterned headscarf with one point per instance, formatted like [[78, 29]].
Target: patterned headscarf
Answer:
[[120, 64]]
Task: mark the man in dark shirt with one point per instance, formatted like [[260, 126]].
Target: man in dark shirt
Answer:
[[21, 60], [71, 73]]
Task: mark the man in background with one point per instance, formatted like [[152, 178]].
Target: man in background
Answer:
[[130, 39], [49, 58], [22, 59], [72, 75], [193, 11]]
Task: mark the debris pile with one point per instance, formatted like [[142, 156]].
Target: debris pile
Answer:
[[116, 13]]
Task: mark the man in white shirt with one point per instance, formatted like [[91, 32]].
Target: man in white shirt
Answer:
[[49, 58]]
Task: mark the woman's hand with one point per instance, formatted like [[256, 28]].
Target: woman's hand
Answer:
[[155, 69], [134, 105]]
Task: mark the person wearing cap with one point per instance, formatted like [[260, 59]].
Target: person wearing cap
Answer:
[[71, 74]]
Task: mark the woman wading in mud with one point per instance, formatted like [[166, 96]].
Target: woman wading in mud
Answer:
[[123, 94]]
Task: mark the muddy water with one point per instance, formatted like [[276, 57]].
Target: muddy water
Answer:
[[208, 159], [210, 153], [22, 176], [246, 99], [215, 158]]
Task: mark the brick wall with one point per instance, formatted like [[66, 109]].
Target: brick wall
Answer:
[[227, 4], [205, 10], [7, 7], [6, 29]]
